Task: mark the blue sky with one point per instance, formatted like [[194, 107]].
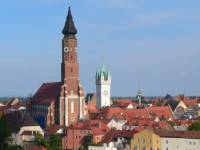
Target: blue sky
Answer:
[[153, 43]]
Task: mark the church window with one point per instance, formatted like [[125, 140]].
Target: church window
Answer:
[[71, 70], [72, 106]]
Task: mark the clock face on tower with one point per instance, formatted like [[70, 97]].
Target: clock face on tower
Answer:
[[66, 49]]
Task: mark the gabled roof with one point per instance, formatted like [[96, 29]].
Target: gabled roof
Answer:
[[98, 127], [173, 104], [147, 122], [17, 120], [168, 97], [113, 134], [124, 103], [91, 108], [12, 102], [178, 134], [191, 102], [137, 113], [54, 129], [110, 112], [160, 111], [29, 121], [47, 93]]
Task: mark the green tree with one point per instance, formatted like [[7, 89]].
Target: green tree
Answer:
[[4, 133], [5, 136], [194, 126], [55, 142], [171, 123], [14, 147], [40, 141], [52, 143], [87, 141]]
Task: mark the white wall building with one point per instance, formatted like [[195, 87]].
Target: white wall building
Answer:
[[179, 140], [117, 124], [103, 87]]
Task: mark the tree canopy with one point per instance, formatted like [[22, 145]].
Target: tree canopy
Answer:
[[5, 136], [52, 143], [194, 126]]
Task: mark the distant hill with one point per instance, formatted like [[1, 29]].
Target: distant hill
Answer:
[[3, 99]]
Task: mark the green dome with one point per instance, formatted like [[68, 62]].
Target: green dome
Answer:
[[103, 72]]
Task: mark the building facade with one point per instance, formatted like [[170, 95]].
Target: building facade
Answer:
[[146, 140], [62, 102], [179, 140], [103, 87]]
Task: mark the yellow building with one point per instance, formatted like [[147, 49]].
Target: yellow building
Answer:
[[146, 140]]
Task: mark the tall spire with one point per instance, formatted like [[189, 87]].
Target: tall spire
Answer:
[[69, 28]]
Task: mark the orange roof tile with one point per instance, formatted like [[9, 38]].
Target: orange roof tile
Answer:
[[160, 111]]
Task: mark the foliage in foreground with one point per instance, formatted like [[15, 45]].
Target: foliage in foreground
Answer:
[[5, 136], [194, 126], [53, 143]]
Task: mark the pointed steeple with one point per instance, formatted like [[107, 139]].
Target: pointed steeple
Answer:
[[69, 28]]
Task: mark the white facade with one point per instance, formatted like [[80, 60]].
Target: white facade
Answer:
[[103, 87], [118, 125], [19, 138], [101, 148], [180, 144]]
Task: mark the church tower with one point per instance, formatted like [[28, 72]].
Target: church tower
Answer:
[[103, 85], [72, 97]]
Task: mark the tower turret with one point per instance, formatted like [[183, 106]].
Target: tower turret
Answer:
[[103, 86], [69, 28]]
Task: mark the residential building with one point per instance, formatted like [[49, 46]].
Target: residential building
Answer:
[[179, 140], [125, 104], [23, 129], [77, 136], [146, 140], [116, 124], [178, 108]]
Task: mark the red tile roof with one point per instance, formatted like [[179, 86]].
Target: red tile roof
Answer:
[[53, 129], [178, 134], [47, 93], [136, 113], [191, 102], [112, 134], [160, 111], [110, 112], [124, 103], [91, 108], [98, 127], [147, 122]]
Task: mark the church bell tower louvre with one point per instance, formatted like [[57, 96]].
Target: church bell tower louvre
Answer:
[[72, 97]]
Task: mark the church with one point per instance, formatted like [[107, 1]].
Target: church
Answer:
[[62, 102]]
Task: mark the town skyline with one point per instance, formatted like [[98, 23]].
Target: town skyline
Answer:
[[157, 48]]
